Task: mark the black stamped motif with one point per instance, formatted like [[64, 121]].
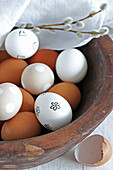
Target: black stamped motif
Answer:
[[37, 109], [20, 56], [34, 45], [47, 126], [55, 106], [22, 33]]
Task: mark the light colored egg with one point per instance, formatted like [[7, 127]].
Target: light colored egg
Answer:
[[37, 78], [69, 91], [10, 100], [11, 70], [53, 111], [23, 125], [93, 151], [21, 43], [71, 65]]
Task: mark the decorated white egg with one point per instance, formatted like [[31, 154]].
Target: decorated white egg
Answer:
[[53, 111], [21, 43], [37, 78], [10, 100], [71, 65]]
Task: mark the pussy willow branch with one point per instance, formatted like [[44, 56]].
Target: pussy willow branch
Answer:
[[61, 29], [74, 22], [89, 16]]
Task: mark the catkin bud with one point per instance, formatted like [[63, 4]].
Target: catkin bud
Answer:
[[103, 31], [103, 6], [67, 27], [80, 24], [80, 35], [52, 31], [29, 25], [68, 20], [22, 25], [36, 30]]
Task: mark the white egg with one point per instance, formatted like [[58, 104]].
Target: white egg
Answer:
[[37, 78], [53, 111], [10, 100], [71, 65], [21, 43]]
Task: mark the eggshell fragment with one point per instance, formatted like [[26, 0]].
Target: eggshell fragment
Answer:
[[37, 78], [45, 56], [11, 70], [28, 101], [21, 126], [93, 151], [69, 91], [4, 56]]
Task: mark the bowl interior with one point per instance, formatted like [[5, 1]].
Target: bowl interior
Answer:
[[91, 86]]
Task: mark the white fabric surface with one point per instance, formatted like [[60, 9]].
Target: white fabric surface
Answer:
[[49, 12], [10, 12], [14, 12]]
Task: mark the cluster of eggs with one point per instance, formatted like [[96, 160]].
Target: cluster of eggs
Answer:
[[29, 97]]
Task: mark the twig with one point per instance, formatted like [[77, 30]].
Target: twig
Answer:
[[74, 22]]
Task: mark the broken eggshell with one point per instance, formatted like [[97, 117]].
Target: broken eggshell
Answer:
[[93, 151]]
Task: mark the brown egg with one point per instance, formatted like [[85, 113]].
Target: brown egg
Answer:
[[45, 56], [4, 56], [22, 125], [28, 101], [11, 70], [69, 91]]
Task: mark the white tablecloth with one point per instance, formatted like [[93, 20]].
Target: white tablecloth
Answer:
[[50, 12]]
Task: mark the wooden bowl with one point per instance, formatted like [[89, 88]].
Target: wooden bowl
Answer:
[[96, 103]]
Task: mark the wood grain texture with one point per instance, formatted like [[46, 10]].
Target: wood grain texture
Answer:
[[67, 160], [96, 103]]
